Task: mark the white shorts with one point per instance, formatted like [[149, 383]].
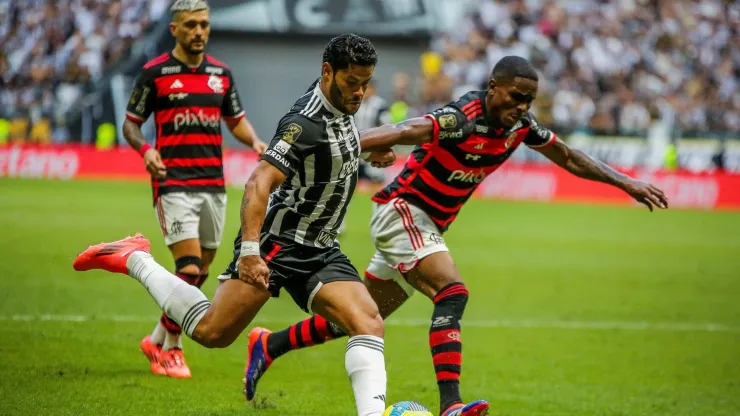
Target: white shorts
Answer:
[[403, 235], [187, 215]]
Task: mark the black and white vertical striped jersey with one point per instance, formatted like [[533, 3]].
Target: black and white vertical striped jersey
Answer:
[[318, 148], [374, 112]]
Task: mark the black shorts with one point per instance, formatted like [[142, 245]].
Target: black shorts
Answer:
[[300, 269]]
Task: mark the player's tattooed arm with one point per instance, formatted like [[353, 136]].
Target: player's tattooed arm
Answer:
[[263, 181], [584, 166], [152, 159], [410, 132], [133, 135]]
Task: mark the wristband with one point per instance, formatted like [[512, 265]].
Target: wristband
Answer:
[[144, 148], [249, 248]]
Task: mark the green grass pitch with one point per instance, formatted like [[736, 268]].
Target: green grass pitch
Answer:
[[574, 310]]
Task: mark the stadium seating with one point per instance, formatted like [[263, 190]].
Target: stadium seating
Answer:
[[607, 66], [51, 50]]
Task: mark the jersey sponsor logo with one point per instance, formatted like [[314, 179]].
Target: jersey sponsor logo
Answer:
[[176, 84], [214, 70], [541, 131], [447, 121], [169, 70], [282, 147], [447, 110], [235, 102], [292, 132], [189, 118], [481, 129], [178, 96], [216, 84], [326, 238], [277, 156], [467, 176], [349, 168], [457, 134]]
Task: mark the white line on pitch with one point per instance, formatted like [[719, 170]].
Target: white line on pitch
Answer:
[[502, 323]]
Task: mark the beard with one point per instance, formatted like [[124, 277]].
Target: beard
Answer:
[[188, 47], [336, 96], [337, 100]]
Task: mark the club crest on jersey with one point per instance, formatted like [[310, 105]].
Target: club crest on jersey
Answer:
[[510, 140], [447, 121], [215, 83], [292, 133]]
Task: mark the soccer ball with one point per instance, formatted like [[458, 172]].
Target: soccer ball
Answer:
[[407, 409]]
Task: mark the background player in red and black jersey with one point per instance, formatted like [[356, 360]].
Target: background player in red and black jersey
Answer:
[[458, 146], [189, 93]]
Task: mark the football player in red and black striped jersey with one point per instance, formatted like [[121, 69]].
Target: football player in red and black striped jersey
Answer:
[[458, 145], [189, 93]]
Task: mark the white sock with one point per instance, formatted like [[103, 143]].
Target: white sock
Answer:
[[158, 334], [172, 341], [185, 304], [365, 364]]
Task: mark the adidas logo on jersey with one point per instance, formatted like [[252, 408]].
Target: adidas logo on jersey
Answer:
[[176, 84]]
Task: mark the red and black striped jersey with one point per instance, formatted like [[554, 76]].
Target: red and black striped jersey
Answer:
[[188, 105], [442, 174]]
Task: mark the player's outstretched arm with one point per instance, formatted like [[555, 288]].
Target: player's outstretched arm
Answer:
[[265, 179], [410, 132], [152, 159], [584, 166], [243, 131]]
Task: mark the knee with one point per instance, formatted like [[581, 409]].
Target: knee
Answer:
[[453, 296], [189, 268], [212, 337], [367, 323]]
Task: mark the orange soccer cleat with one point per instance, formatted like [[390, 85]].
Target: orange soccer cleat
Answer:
[[174, 363], [152, 352], [111, 256]]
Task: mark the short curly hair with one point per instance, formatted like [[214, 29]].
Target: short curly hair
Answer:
[[347, 49]]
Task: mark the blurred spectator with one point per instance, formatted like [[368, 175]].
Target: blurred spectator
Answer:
[[606, 62], [51, 49]]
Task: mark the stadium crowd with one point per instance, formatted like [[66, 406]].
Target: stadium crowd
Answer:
[[607, 66], [50, 50]]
